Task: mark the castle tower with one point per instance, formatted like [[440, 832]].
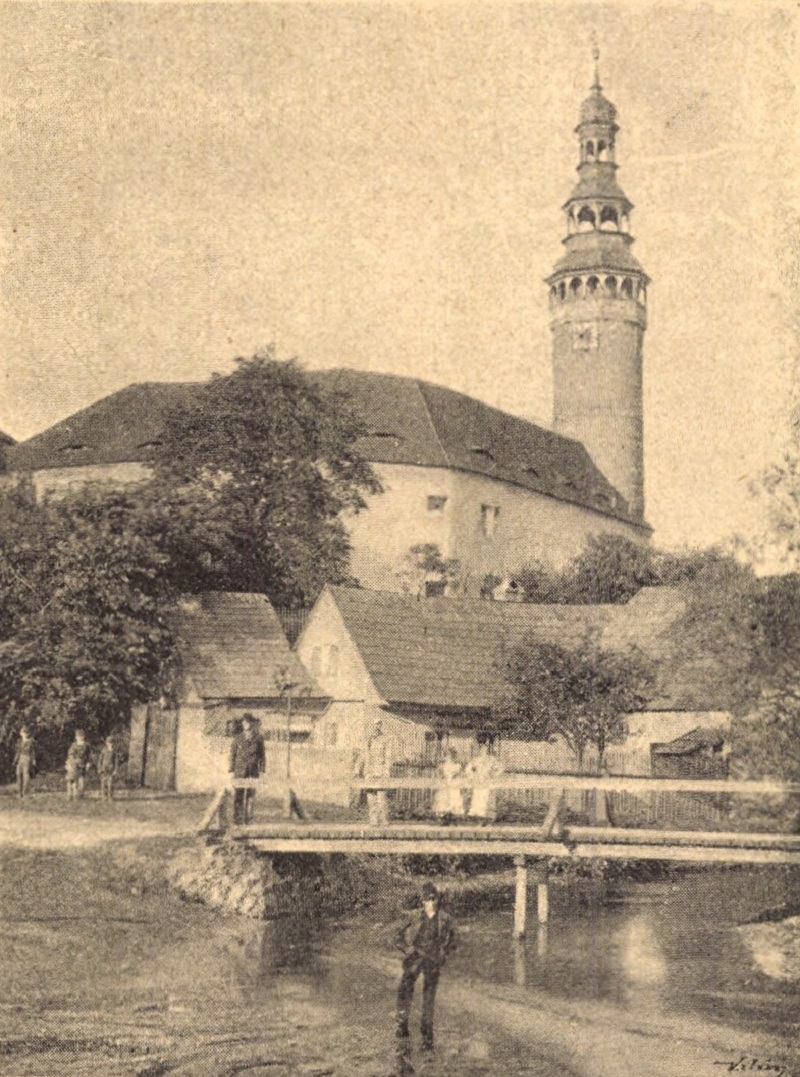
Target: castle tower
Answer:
[[598, 313]]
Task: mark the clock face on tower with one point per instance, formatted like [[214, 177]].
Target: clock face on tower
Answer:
[[584, 336]]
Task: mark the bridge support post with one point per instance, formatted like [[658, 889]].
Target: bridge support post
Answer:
[[520, 896], [542, 894]]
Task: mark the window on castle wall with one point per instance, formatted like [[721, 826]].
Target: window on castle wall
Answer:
[[333, 661], [436, 503], [489, 515], [435, 588]]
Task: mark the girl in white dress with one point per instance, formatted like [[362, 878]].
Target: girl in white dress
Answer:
[[449, 800], [483, 768]]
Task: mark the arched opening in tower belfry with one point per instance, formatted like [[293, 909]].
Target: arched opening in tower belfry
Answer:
[[609, 218], [590, 150], [627, 288], [592, 284], [611, 287], [576, 286], [586, 219], [602, 151], [562, 290]]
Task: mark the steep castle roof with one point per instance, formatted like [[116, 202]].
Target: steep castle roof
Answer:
[[410, 421]]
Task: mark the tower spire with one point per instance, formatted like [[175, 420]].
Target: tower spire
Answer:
[[596, 58]]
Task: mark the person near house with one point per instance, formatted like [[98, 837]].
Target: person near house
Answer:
[[107, 768], [484, 768], [426, 940], [449, 799], [76, 765], [248, 759], [376, 767], [24, 761]]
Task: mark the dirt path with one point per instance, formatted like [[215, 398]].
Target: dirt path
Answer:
[[29, 830]]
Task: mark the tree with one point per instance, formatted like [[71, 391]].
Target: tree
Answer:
[[424, 572], [84, 598], [779, 489], [581, 695], [265, 461], [612, 569]]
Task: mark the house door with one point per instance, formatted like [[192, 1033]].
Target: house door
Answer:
[[161, 741]]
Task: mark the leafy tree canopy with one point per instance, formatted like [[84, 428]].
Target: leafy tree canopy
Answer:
[[83, 592], [581, 695], [611, 569], [263, 464]]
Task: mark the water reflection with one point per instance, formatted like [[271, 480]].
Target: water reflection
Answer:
[[643, 967]]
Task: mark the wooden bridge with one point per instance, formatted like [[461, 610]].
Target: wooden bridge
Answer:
[[553, 838]]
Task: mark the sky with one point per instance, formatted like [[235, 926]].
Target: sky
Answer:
[[379, 186]]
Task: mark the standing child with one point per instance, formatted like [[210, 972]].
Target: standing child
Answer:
[[77, 760], [107, 768], [24, 760]]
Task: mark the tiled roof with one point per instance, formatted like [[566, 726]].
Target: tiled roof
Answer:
[[597, 251], [448, 653], [232, 646], [410, 422], [691, 742]]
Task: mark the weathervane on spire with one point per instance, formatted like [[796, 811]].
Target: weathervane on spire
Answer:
[[596, 57]]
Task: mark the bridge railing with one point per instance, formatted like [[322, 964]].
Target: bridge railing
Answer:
[[609, 795]]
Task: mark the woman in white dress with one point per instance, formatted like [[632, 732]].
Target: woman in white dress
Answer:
[[483, 768], [449, 800]]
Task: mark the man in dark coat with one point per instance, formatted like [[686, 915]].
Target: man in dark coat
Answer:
[[247, 760], [426, 939]]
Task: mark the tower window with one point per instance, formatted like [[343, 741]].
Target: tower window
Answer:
[[333, 661], [589, 149], [592, 284], [489, 514], [601, 151], [436, 503], [316, 662], [608, 216], [611, 286], [586, 218], [562, 290], [627, 288], [554, 292], [576, 286]]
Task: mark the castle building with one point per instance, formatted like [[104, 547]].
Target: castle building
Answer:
[[489, 490]]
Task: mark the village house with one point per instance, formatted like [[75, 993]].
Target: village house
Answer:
[[233, 658], [432, 671]]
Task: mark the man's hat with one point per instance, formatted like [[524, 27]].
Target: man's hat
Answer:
[[430, 892], [250, 718]]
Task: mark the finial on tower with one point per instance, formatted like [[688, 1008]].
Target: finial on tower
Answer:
[[596, 57]]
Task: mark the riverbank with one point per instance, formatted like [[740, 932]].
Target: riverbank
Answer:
[[108, 973]]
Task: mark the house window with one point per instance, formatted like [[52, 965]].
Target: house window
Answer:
[[436, 503], [332, 734], [489, 514], [333, 660], [316, 662]]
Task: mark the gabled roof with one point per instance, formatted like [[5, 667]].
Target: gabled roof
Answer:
[[232, 646], [448, 653], [409, 421]]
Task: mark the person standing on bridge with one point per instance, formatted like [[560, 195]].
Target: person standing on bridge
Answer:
[[248, 759], [376, 767], [426, 939]]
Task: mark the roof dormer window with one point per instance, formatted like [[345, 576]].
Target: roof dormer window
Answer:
[[482, 451]]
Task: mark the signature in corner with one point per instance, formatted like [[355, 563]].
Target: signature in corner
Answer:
[[750, 1064]]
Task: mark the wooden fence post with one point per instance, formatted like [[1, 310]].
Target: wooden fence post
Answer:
[[520, 896]]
